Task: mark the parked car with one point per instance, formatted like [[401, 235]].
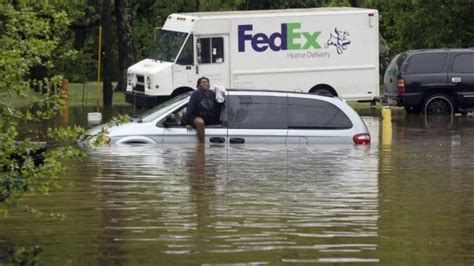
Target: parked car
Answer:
[[249, 116], [436, 81]]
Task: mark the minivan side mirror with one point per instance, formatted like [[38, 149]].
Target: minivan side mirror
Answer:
[[170, 121]]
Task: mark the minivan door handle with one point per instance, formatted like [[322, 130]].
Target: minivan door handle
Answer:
[[237, 140], [217, 140], [456, 79], [188, 67]]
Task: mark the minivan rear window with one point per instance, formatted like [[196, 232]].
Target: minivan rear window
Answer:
[[315, 114], [425, 63]]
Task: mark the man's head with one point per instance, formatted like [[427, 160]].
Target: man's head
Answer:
[[203, 83]]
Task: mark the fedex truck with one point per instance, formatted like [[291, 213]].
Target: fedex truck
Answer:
[[317, 50]]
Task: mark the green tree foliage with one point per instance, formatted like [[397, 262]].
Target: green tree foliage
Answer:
[[426, 24], [30, 36], [82, 36]]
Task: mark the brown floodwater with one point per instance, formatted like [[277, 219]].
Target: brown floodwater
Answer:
[[410, 202]]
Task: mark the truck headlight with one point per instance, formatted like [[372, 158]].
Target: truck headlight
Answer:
[[148, 83], [129, 79]]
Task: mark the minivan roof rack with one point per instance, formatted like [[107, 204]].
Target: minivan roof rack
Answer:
[[280, 91]]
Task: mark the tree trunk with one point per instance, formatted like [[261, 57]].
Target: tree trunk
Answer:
[[126, 55], [107, 53]]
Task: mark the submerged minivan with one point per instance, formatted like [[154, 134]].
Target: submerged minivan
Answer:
[[248, 116]]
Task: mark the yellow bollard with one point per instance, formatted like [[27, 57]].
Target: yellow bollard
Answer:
[[65, 97], [65, 88], [386, 126]]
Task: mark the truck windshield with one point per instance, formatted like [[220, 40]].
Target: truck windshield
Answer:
[[167, 45]]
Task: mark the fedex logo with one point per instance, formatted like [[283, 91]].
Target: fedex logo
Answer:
[[289, 38]]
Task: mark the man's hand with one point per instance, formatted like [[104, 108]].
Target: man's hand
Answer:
[[189, 128]]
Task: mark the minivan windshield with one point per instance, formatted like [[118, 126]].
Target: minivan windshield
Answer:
[[161, 109], [167, 45]]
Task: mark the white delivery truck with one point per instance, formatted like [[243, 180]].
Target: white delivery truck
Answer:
[[317, 50]]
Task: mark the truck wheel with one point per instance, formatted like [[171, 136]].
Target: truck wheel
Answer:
[[323, 89], [180, 91], [438, 104], [322, 92]]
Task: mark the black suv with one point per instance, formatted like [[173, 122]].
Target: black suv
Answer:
[[438, 81]]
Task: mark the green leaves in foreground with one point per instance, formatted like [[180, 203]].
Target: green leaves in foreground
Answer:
[[31, 33]]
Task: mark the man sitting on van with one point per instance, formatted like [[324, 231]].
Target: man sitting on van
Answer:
[[203, 109]]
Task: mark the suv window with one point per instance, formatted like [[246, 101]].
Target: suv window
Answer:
[[463, 63], [257, 112], [315, 114], [426, 63]]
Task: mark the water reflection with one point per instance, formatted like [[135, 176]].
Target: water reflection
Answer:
[[202, 176], [426, 203], [406, 203], [289, 204]]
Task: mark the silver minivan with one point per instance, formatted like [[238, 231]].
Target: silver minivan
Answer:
[[248, 117]]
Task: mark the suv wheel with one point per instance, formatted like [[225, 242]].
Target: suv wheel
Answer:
[[438, 104], [412, 110]]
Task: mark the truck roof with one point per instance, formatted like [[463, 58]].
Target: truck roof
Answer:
[[274, 12]]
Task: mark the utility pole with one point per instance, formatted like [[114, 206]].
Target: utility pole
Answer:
[[107, 53]]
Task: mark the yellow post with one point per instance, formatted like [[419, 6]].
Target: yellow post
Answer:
[[386, 126], [98, 68]]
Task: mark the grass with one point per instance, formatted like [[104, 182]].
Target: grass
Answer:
[[88, 93], [366, 109], [79, 94]]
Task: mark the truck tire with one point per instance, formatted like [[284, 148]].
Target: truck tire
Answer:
[[323, 90], [438, 104], [180, 91]]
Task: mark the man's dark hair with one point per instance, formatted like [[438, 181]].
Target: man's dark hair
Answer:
[[200, 79]]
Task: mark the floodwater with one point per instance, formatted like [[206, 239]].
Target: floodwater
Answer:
[[408, 202]]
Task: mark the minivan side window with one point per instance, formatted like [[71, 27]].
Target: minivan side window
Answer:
[[425, 63], [210, 50], [315, 114], [257, 112], [463, 63]]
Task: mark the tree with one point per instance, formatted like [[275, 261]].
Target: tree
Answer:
[[30, 35], [107, 53], [126, 52], [426, 24]]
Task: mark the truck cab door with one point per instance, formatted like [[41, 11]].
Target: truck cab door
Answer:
[[184, 68], [213, 58]]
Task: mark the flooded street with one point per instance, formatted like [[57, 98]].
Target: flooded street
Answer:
[[411, 202]]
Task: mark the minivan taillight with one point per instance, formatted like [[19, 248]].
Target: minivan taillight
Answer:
[[362, 139], [401, 86]]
